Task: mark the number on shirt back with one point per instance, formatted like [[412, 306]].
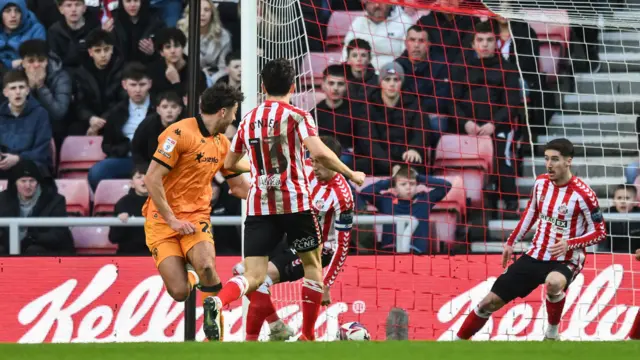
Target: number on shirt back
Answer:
[[278, 162]]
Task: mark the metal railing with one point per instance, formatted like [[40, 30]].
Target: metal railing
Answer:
[[14, 224]]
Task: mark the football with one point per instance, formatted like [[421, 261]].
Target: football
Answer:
[[353, 331]]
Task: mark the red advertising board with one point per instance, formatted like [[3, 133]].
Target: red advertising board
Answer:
[[106, 299]]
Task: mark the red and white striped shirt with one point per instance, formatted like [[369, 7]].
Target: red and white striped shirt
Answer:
[[333, 205], [273, 135], [570, 212]]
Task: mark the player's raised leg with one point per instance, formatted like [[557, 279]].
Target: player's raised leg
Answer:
[[555, 284], [478, 317], [174, 276]]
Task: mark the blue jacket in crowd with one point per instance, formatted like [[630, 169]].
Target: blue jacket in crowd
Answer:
[[29, 28], [419, 207], [28, 135]]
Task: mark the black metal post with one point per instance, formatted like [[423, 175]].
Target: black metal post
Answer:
[[192, 109]]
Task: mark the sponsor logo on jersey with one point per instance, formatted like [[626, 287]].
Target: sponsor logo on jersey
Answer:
[[163, 153], [554, 221], [200, 158], [169, 145], [267, 181]]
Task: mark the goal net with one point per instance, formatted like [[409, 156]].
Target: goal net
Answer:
[[424, 85]]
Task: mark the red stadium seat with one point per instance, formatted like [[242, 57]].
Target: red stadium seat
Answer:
[[554, 39], [3, 185], [319, 62], [78, 155], [77, 193], [339, 25], [307, 100], [93, 240], [107, 195], [450, 211], [469, 157]]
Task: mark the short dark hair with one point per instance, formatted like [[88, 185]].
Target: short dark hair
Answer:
[[404, 171], [219, 96], [167, 35], [631, 188], [60, 2], [332, 144], [418, 28], [334, 70], [483, 27], [170, 96], [135, 71], [278, 76], [358, 44], [562, 145], [34, 47], [14, 76], [98, 37], [234, 55], [139, 168]]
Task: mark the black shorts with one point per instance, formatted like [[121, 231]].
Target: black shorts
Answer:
[[290, 267], [526, 274], [262, 234]]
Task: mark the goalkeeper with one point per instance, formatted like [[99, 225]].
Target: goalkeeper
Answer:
[[333, 205]]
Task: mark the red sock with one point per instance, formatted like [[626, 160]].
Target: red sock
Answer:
[[233, 290], [634, 333], [311, 299], [471, 325], [554, 310], [258, 310]]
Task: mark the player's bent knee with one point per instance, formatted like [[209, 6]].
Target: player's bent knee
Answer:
[[178, 293]]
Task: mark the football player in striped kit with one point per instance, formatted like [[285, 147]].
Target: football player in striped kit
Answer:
[[569, 220], [333, 205]]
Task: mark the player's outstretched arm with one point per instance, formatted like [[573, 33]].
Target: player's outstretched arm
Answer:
[[527, 220], [237, 163], [153, 181], [320, 152]]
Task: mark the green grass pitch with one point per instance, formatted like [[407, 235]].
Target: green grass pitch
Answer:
[[327, 351]]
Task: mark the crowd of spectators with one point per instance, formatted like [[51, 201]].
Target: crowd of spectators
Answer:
[[117, 69]]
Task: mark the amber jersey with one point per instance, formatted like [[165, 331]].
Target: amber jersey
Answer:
[[193, 156]]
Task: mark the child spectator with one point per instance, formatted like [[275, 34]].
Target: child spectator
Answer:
[[170, 72], [134, 27], [19, 24], [145, 140], [122, 122], [25, 130], [215, 41], [67, 36], [400, 196], [98, 85], [131, 240], [623, 236], [49, 83], [30, 194]]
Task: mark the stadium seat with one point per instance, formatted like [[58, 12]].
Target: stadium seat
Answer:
[[78, 154], [554, 40], [3, 185], [93, 240], [319, 61], [77, 193], [307, 100], [339, 25], [469, 157], [107, 195], [450, 211]]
